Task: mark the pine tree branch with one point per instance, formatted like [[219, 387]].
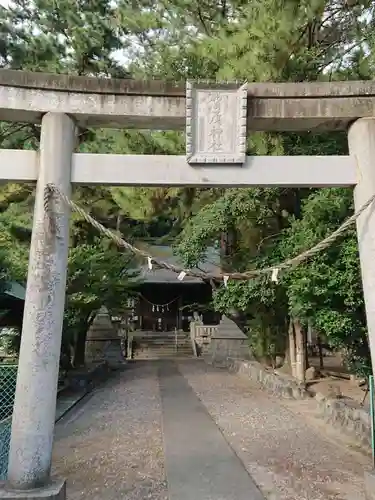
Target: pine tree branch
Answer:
[[12, 129], [200, 15], [341, 55]]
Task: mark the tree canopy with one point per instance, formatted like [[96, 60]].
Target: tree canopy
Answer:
[[272, 40]]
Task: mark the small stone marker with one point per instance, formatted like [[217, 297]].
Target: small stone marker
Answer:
[[311, 373], [216, 123]]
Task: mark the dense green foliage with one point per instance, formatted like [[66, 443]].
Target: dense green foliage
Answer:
[[98, 276], [280, 40]]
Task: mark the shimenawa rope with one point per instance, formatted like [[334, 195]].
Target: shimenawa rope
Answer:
[[51, 189]]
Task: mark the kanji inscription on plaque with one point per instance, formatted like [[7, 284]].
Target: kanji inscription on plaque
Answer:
[[216, 118]]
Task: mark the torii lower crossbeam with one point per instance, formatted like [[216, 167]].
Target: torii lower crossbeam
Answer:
[[160, 170]]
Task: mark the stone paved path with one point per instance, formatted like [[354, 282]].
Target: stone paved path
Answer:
[[200, 464], [199, 433]]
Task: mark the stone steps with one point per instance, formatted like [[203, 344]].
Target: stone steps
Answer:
[[160, 341], [159, 338], [152, 355], [163, 349], [162, 346]]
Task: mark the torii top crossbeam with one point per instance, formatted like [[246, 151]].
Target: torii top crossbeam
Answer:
[[155, 104]]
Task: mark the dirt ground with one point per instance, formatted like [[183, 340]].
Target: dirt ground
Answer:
[[340, 385]]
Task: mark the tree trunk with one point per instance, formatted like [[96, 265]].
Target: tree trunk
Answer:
[[321, 359], [292, 348], [80, 344], [79, 348], [65, 357], [300, 351], [228, 249], [118, 222], [306, 361], [287, 354]]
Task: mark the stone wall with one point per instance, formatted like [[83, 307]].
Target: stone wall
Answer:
[[278, 384], [103, 344], [220, 349], [228, 341], [343, 414]]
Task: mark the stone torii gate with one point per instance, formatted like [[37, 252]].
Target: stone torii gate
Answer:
[[217, 120]]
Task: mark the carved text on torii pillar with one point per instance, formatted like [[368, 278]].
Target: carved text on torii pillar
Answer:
[[216, 123]]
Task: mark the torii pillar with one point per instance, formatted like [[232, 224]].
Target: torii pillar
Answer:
[[361, 138], [35, 401]]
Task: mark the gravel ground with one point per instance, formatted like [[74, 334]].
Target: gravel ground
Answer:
[[288, 455], [112, 447]]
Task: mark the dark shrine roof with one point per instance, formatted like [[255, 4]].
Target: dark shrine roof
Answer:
[[15, 291]]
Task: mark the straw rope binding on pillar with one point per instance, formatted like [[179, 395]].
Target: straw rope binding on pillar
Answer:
[[51, 190]]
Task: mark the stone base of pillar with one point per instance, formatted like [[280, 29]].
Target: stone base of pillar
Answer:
[[56, 490], [370, 484]]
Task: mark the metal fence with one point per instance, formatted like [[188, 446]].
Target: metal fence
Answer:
[[8, 377]]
